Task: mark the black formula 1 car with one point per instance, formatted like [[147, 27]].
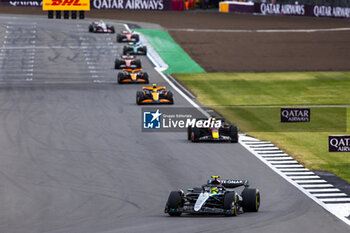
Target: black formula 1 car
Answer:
[[127, 36], [126, 61], [101, 27], [216, 197], [132, 76], [154, 95], [135, 49], [215, 130]]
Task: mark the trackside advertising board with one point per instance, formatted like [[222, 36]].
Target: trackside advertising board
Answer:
[[66, 5]]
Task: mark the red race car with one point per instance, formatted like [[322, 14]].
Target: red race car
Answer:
[[127, 61], [128, 36]]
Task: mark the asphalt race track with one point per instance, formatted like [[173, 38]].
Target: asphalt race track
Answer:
[[73, 157]]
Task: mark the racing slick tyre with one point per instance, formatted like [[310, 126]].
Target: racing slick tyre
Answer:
[[112, 29], [119, 38], [91, 28], [174, 203], [117, 64], [233, 134], [251, 200], [170, 97], [139, 97], [145, 77], [189, 133], [120, 78], [137, 38], [143, 49], [138, 63], [195, 134], [230, 204], [125, 50]]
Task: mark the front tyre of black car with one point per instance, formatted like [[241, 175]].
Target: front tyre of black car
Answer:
[[251, 200], [230, 204], [174, 203]]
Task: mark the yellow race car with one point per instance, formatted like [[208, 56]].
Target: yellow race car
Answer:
[[154, 95], [132, 76]]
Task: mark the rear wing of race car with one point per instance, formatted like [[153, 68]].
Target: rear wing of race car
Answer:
[[230, 183]]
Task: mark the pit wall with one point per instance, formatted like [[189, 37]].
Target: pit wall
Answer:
[[285, 9]]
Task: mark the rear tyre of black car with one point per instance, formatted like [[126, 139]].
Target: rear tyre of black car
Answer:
[[233, 134], [175, 202], [251, 200], [230, 204]]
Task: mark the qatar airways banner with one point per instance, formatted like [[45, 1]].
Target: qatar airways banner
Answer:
[[302, 10], [156, 5]]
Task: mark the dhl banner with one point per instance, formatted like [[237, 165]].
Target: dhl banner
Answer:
[[66, 5]]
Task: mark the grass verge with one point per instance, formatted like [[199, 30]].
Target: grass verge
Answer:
[[230, 94], [172, 54]]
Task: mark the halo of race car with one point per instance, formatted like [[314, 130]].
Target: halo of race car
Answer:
[[217, 196]]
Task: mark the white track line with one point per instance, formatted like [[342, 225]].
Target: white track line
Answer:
[[323, 190], [260, 30]]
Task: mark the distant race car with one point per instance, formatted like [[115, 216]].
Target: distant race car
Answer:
[[216, 197], [226, 132], [101, 27], [127, 61], [132, 76], [135, 49], [154, 95], [128, 36]]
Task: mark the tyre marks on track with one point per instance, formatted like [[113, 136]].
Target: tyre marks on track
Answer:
[[324, 193], [17, 64]]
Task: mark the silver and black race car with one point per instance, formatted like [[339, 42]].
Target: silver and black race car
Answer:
[[101, 27], [126, 61], [128, 36], [218, 196], [135, 49], [218, 130]]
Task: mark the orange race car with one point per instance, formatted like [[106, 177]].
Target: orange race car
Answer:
[[132, 76], [154, 95]]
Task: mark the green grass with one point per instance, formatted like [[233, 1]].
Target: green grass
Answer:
[[171, 53], [229, 94]]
